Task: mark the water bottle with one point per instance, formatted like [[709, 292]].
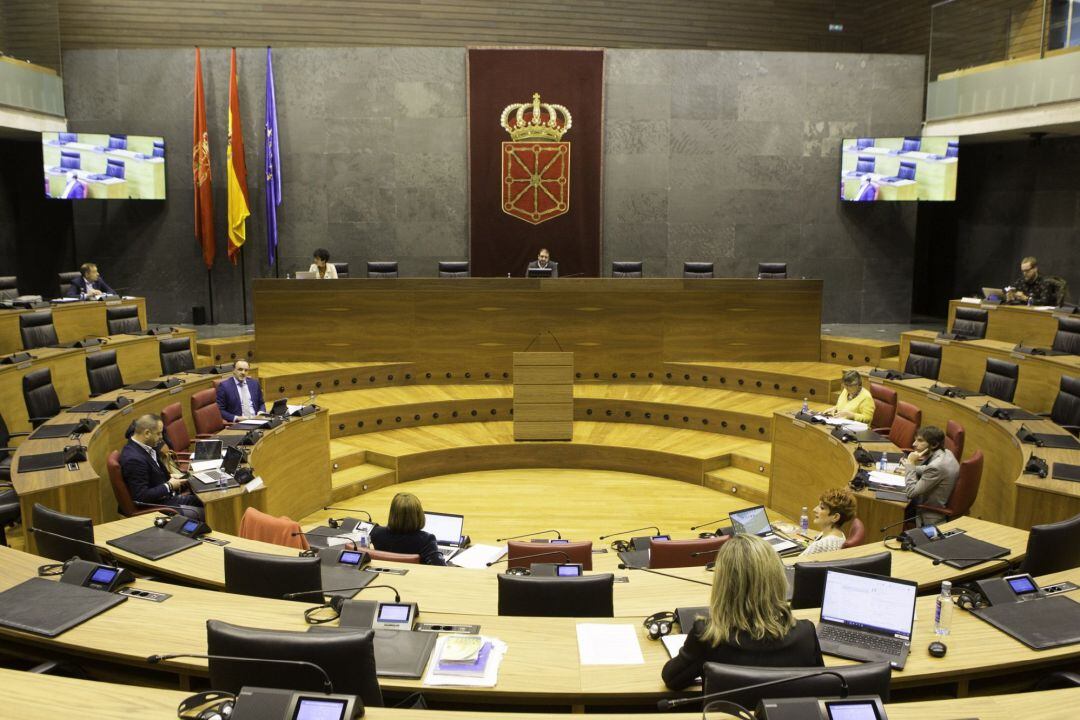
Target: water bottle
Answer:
[[223, 481], [361, 536], [881, 463], [943, 610], [805, 407], [288, 276], [1031, 301], [804, 520], [311, 398]]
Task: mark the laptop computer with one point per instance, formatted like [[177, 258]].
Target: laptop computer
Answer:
[[206, 450], [867, 617], [994, 294], [305, 275], [447, 529], [210, 479], [754, 521]]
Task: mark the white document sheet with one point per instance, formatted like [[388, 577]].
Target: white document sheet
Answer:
[[476, 557], [608, 644], [889, 479], [673, 643]]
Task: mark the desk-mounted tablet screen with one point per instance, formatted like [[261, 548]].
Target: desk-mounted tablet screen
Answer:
[[316, 708], [95, 166], [899, 168]]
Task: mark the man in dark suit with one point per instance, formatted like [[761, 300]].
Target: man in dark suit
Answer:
[[145, 474], [543, 260], [90, 284], [240, 397]]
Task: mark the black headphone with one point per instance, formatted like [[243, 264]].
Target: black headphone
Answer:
[[519, 570], [622, 546], [209, 705], [659, 624], [311, 615], [969, 598]]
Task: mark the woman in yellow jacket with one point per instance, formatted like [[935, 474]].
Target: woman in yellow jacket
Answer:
[[855, 401]]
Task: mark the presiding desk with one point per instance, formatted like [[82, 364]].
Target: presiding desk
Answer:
[[74, 320], [1014, 323]]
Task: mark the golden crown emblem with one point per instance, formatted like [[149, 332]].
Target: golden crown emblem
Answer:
[[536, 120]]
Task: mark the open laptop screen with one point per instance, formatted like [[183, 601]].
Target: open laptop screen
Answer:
[[445, 528], [869, 602], [751, 521], [233, 457]]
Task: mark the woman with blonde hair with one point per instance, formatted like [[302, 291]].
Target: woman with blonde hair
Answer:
[[750, 622], [403, 532], [835, 509]]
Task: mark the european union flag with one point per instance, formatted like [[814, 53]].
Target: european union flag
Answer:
[[273, 164]]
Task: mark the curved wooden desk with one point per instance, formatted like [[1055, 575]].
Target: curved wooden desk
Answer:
[[1014, 323], [73, 320]]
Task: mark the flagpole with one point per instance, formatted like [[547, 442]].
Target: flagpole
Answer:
[[243, 285]]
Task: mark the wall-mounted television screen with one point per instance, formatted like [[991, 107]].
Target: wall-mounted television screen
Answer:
[[81, 166], [900, 168]]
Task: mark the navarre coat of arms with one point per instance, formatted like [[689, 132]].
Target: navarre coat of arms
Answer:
[[536, 164]]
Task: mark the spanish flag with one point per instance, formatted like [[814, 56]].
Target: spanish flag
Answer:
[[237, 170]]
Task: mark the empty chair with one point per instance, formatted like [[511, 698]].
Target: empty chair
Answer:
[[627, 269], [175, 355], [103, 372], [382, 269], [577, 552], [387, 556], [954, 438], [911, 144], [697, 270], [907, 421], [952, 149], [861, 679], [37, 329], [66, 526], [970, 322], [118, 142], [40, 396], [772, 271], [999, 379], [680, 553], [67, 280], [585, 596], [271, 576], [342, 269], [856, 534], [10, 511], [175, 430], [123, 320], [924, 360], [114, 168], [65, 138], [863, 143], [884, 407], [453, 268], [257, 525], [9, 287], [1067, 338], [1052, 547], [6, 449], [964, 492], [347, 656], [1066, 409], [70, 160], [865, 164], [906, 172], [205, 413], [125, 504], [808, 585], [159, 149]]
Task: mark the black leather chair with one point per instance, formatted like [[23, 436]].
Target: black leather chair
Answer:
[[123, 319], [37, 329], [924, 359], [627, 269], [862, 679], [175, 355], [9, 511], [67, 280], [808, 585], [68, 526], [970, 322], [382, 269], [1066, 409], [585, 596], [40, 396], [347, 657], [1067, 338], [772, 270], [103, 372], [697, 270], [999, 380], [6, 449], [271, 576], [453, 268], [342, 269], [9, 287], [1052, 547]]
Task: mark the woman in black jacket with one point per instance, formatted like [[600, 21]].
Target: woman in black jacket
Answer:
[[403, 531]]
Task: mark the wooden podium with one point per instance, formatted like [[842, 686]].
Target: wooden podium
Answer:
[[543, 396]]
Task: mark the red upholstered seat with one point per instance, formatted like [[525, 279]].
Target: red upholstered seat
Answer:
[[124, 503], [680, 553], [907, 421], [385, 556], [579, 552], [257, 525], [856, 534], [884, 407], [205, 413], [954, 439]]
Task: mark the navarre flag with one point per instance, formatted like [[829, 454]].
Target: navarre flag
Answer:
[[200, 169], [273, 164], [239, 207]]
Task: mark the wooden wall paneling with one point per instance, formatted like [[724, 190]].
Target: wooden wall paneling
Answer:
[[294, 462]]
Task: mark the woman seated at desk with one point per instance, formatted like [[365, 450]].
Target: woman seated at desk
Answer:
[[321, 267], [750, 622], [854, 402], [403, 531], [835, 509]]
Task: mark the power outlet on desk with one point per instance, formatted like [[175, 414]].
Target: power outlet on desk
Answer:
[[599, 551], [621, 579], [73, 466], [1061, 587], [386, 571], [150, 595], [439, 628], [213, 541]]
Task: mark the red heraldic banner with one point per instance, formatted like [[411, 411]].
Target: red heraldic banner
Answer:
[[536, 120]]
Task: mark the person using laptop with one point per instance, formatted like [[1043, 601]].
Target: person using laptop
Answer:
[[930, 474], [835, 508], [750, 622], [854, 402], [240, 397], [321, 266], [543, 261], [1031, 288], [403, 531], [147, 473]]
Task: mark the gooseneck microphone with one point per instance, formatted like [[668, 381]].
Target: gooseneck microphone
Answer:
[[668, 703], [711, 522], [624, 566], [538, 532], [356, 510], [624, 532], [566, 558], [324, 591], [699, 553], [105, 555], [899, 522], [328, 687], [350, 544]]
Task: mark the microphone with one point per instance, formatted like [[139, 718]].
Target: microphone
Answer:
[[105, 555], [669, 703], [624, 532], [331, 507], [901, 522], [351, 543], [701, 525], [538, 532], [699, 553], [328, 687], [324, 591], [1006, 561], [566, 558], [624, 566]]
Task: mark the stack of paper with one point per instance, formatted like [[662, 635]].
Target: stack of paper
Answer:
[[476, 557], [884, 478], [482, 670]]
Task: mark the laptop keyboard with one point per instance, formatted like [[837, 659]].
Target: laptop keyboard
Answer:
[[858, 638], [216, 475]]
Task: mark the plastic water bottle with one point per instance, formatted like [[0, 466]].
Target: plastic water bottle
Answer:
[[805, 407], [943, 610], [288, 276], [361, 535], [1031, 301], [804, 520], [881, 463]]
